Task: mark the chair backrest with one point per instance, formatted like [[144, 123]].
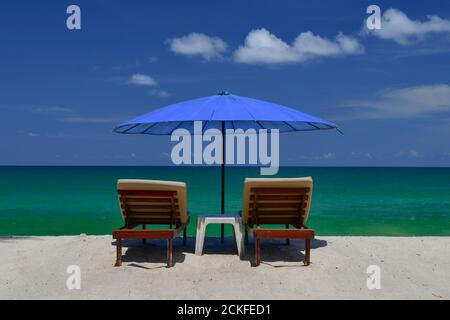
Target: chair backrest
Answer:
[[276, 200], [152, 201]]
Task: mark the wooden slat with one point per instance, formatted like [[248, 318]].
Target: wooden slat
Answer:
[[138, 214], [149, 222], [162, 214], [277, 197], [280, 191], [150, 206], [133, 206], [276, 221], [149, 209], [147, 193], [143, 234], [278, 214], [292, 211], [127, 233], [283, 233], [261, 199], [273, 197], [150, 218], [148, 199], [280, 198], [261, 205]]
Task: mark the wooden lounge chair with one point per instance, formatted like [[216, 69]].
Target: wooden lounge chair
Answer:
[[273, 202], [151, 202]]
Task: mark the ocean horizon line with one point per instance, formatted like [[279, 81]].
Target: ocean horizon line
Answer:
[[214, 166]]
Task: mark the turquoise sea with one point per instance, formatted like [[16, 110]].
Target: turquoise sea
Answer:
[[346, 201]]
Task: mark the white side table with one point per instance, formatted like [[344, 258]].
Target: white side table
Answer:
[[204, 220]]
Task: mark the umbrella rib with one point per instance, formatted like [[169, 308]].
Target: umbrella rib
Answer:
[[251, 115], [246, 109], [153, 124], [176, 127], [204, 125], [313, 125], [212, 115], [132, 127], [294, 129], [259, 124]]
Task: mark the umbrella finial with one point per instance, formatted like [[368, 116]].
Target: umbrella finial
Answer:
[[223, 93]]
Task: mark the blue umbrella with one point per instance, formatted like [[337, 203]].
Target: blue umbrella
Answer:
[[223, 111]]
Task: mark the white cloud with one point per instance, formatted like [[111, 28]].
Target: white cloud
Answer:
[[411, 153], [146, 80], [397, 26], [51, 109], [328, 155], [359, 155], [83, 119], [38, 109], [159, 93], [310, 45], [142, 80], [263, 47], [404, 103], [198, 44], [63, 114], [323, 156]]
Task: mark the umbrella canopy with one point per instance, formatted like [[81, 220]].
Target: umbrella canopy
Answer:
[[228, 109]]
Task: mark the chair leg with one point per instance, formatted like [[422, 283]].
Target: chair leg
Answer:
[[237, 231], [184, 236], [118, 252], [234, 237], [169, 253], [257, 252], [144, 241], [307, 251], [288, 242], [200, 238]]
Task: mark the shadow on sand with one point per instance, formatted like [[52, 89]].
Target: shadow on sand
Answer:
[[17, 238], [153, 251], [276, 253], [272, 251]]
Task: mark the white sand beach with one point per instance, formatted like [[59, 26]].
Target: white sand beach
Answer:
[[411, 268]]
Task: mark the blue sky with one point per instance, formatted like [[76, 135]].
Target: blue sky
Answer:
[[62, 91]]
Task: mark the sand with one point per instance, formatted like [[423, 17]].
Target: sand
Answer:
[[411, 268]]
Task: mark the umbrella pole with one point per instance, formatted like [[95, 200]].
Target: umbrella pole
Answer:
[[222, 207]]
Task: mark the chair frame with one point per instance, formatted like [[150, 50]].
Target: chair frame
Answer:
[[269, 196], [169, 217]]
